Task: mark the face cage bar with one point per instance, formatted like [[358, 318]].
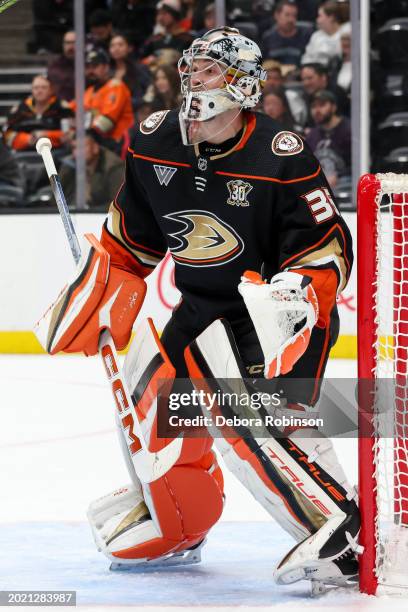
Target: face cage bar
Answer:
[[225, 73]]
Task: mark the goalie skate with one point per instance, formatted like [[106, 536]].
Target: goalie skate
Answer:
[[190, 556], [311, 559]]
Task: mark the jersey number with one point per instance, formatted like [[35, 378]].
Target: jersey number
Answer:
[[321, 204]]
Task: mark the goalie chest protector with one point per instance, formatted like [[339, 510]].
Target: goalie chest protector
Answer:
[[265, 203]]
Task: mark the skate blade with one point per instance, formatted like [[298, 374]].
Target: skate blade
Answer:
[[186, 557]]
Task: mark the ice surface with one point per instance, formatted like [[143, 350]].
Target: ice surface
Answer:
[[58, 451]]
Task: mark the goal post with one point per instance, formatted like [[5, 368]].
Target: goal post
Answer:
[[382, 235]]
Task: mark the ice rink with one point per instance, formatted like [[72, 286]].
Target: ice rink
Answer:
[[59, 451]]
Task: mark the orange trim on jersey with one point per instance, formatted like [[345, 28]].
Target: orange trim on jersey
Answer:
[[250, 126], [141, 246], [155, 159], [121, 257], [317, 244], [270, 179]]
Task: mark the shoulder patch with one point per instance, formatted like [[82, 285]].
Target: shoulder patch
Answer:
[[287, 143], [153, 121]]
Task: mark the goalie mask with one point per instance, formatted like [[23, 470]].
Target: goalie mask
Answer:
[[220, 72]]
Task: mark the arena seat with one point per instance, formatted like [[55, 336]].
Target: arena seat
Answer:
[[392, 43], [391, 133]]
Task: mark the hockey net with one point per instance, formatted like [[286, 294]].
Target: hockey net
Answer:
[[382, 363]]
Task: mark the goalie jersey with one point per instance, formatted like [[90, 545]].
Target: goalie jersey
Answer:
[[258, 202]]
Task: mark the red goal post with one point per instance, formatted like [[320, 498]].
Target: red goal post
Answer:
[[382, 235]]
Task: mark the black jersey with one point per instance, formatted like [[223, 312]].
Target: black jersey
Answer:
[[264, 205]]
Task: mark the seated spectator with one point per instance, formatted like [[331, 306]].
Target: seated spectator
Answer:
[[51, 19], [107, 101], [324, 44], [315, 77], [343, 67], [297, 105], [285, 40], [39, 115], [164, 93], [187, 10], [134, 19], [209, 21], [125, 68], [104, 173], [330, 140], [100, 29], [142, 113], [171, 36], [61, 71], [11, 178], [275, 104]]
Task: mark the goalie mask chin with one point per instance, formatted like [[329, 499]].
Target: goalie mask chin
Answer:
[[221, 75]]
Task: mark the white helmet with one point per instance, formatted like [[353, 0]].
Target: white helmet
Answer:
[[239, 63]]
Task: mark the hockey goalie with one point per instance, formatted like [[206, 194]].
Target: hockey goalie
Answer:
[[260, 253]]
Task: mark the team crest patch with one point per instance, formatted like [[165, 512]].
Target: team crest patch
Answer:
[[287, 143], [153, 121], [200, 238], [238, 192]]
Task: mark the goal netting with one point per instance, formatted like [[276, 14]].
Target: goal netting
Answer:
[[382, 365]]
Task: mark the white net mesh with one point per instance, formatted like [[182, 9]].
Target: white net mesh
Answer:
[[391, 391]]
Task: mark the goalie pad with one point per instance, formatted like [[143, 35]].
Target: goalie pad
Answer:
[[99, 297], [175, 500], [297, 479], [284, 313]]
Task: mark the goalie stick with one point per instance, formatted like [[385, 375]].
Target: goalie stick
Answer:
[[147, 465], [5, 4]]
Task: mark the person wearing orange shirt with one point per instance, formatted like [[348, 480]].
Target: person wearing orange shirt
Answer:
[[38, 115], [107, 101]]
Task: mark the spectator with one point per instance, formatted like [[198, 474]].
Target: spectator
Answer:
[[285, 40], [11, 178], [100, 29], [125, 68], [61, 71], [134, 19], [275, 104], [324, 44], [187, 11], [330, 140], [165, 91], [51, 19], [343, 68], [143, 112], [314, 78], [39, 115], [104, 173], [208, 19], [172, 36], [107, 100], [297, 104]]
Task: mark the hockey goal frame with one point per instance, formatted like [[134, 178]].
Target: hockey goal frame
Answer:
[[370, 190]]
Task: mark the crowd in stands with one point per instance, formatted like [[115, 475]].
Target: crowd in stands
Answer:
[[132, 50]]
